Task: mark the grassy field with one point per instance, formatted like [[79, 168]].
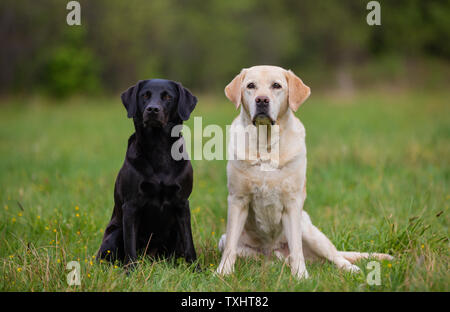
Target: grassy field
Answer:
[[378, 180]]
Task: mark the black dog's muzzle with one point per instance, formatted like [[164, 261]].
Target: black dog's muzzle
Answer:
[[153, 116]]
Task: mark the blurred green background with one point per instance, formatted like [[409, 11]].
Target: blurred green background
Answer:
[[205, 43]]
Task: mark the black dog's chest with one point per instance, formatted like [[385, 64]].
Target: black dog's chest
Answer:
[[161, 205], [156, 192], [154, 213], [157, 219]]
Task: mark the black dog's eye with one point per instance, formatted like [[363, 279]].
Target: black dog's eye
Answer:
[[146, 95], [276, 85], [251, 85], [166, 97]]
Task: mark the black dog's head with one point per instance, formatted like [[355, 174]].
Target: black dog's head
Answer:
[[156, 102]]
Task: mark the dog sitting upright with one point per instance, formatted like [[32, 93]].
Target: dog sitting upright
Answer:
[[151, 212], [265, 207]]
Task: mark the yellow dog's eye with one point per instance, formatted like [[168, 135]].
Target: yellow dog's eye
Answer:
[[276, 85], [251, 85]]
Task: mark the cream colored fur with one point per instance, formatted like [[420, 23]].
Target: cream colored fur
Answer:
[[265, 208]]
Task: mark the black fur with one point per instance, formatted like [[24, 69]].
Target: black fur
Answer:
[[151, 212]]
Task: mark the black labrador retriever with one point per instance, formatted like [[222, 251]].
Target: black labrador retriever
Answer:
[[151, 212]]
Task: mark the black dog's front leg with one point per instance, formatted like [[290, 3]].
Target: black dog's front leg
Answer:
[[130, 228], [184, 228]]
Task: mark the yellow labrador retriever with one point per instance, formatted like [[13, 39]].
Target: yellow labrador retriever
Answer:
[[265, 207]]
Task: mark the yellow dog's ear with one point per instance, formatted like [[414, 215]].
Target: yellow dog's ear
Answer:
[[233, 89], [298, 91]]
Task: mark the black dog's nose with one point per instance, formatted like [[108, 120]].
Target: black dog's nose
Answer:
[[262, 101], [153, 109]]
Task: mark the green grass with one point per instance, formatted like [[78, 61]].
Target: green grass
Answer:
[[378, 177]]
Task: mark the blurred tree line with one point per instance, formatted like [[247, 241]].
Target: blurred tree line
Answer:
[[205, 43]]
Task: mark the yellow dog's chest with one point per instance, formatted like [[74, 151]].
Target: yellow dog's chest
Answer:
[[265, 210]]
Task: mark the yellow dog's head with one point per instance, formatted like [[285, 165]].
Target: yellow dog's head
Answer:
[[267, 92]]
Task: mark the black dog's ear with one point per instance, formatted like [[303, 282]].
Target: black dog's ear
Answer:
[[130, 99], [186, 102]]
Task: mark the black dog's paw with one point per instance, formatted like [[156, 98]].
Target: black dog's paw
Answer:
[[195, 265], [197, 268], [130, 267]]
